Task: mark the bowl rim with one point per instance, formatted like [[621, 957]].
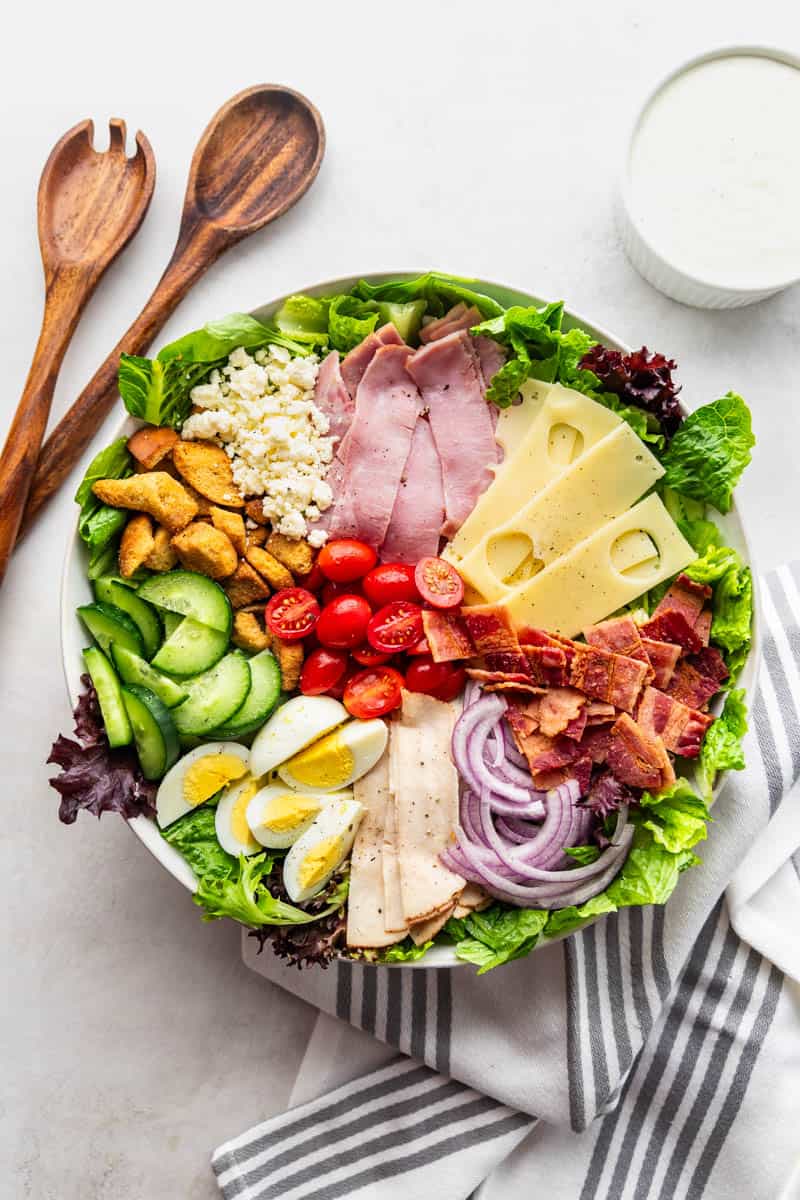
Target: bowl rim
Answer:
[[145, 829], [735, 50]]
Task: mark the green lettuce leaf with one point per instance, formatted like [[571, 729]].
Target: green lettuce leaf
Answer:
[[583, 855], [497, 935], [533, 339], [350, 320], [440, 292], [732, 605], [98, 523], [194, 836], [676, 817], [404, 951], [245, 897], [722, 746], [304, 318], [710, 450]]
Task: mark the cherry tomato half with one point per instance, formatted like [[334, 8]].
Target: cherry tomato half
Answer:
[[346, 559], [343, 622], [322, 670], [395, 627], [438, 582], [388, 582], [422, 647], [367, 657], [373, 692], [292, 613], [441, 680]]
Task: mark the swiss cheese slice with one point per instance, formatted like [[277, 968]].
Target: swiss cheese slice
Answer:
[[608, 570], [566, 425], [601, 484], [514, 422]]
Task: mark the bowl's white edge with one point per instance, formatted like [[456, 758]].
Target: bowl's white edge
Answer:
[[71, 642]]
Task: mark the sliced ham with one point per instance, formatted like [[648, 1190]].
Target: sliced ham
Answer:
[[425, 787], [446, 634], [491, 357], [418, 510], [636, 758], [378, 444], [393, 916], [613, 678], [332, 397], [698, 678], [619, 635], [447, 373], [663, 657], [389, 335], [365, 902], [459, 317], [426, 931], [493, 635], [680, 728], [356, 362]]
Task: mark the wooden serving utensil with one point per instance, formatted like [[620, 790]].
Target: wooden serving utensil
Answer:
[[260, 153], [89, 205]]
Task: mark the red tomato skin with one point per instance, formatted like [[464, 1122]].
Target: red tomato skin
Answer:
[[331, 590], [388, 582], [395, 627], [439, 582], [443, 681], [292, 627], [343, 622], [314, 581], [368, 657], [344, 560], [373, 692], [421, 647], [322, 670]]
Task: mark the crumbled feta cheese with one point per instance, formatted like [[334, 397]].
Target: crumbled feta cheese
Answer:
[[261, 409]]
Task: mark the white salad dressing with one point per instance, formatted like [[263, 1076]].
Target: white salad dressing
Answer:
[[714, 172]]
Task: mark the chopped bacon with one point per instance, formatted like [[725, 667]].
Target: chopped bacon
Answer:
[[596, 743], [508, 684], [558, 708], [490, 628], [606, 676], [551, 711], [698, 678], [672, 626], [529, 637], [548, 664], [599, 713], [580, 771], [620, 635], [663, 659], [577, 726], [509, 678], [703, 626], [680, 728], [606, 794], [636, 758], [676, 617], [447, 635], [523, 720]]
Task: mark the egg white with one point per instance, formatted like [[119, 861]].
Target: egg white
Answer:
[[293, 812], [337, 759], [321, 850], [293, 726], [171, 800], [230, 819]]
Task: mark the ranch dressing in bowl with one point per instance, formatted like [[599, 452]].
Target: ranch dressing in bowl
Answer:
[[712, 187]]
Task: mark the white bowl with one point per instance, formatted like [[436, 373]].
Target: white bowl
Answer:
[[76, 589], [675, 281]]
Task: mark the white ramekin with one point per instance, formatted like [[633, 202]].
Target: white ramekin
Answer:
[[652, 266]]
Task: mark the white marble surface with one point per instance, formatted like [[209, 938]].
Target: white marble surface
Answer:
[[472, 137]]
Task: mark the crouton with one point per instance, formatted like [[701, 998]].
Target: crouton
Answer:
[[136, 545], [207, 469], [290, 661], [255, 511], [245, 586], [257, 537], [155, 493], [249, 633], [296, 555], [204, 506], [201, 547], [149, 445], [162, 557], [275, 573], [232, 525]]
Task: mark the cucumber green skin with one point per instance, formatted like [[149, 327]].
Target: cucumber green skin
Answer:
[[170, 621], [109, 696], [214, 696], [132, 669], [154, 733], [265, 690], [143, 615], [107, 623], [192, 649], [192, 595]]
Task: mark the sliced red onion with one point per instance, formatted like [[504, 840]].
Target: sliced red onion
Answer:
[[512, 753], [532, 810], [469, 737], [515, 830]]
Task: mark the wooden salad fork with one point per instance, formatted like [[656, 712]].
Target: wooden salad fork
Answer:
[[259, 154], [90, 205]]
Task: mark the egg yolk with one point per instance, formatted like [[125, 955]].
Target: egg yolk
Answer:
[[205, 777], [324, 764], [319, 862], [284, 813], [239, 827]]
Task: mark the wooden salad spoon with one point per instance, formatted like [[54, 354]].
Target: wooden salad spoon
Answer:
[[89, 206], [260, 153]]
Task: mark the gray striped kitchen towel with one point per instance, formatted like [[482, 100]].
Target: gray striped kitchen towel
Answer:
[[655, 1054]]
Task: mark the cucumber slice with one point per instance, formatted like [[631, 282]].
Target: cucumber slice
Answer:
[[107, 623], [143, 615], [109, 696], [192, 648], [153, 731], [133, 669], [170, 621], [191, 595], [265, 690], [214, 696]]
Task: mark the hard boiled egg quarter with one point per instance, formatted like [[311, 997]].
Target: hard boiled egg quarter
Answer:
[[336, 760], [230, 819], [295, 725], [278, 815], [197, 777], [319, 851]]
